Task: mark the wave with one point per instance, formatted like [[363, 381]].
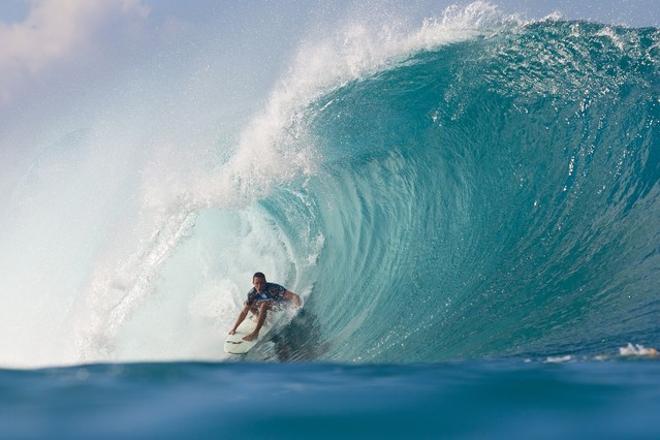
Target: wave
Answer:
[[479, 186], [492, 197]]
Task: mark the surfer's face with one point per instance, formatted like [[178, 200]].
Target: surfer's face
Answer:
[[258, 283]]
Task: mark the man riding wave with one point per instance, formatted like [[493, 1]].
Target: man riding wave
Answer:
[[260, 299]]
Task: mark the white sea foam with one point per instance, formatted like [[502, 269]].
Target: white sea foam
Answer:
[[609, 33], [558, 359], [637, 350]]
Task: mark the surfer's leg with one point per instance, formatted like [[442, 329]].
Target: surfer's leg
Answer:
[[263, 311]]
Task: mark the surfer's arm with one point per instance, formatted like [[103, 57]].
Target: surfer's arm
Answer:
[[241, 318], [290, 296]]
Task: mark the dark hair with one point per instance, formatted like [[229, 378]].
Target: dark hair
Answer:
[[259, 275]]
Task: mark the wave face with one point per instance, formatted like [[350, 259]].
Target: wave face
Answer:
[[492, 197]]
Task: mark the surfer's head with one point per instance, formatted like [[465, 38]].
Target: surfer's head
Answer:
[[259, 281]]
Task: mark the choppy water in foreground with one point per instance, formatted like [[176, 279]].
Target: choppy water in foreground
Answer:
[[496, 399]]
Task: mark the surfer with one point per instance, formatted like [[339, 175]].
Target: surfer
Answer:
[[261, 298]]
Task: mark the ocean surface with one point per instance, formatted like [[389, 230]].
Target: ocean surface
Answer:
[[494, 399], [470, 210]]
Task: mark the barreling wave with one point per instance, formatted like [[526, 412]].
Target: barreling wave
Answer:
[[477, 187], [492, 197]]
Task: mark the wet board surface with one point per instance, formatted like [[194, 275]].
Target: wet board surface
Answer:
[[235, 344]]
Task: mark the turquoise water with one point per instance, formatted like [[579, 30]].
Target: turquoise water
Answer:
[[495, 197], [473, 224]]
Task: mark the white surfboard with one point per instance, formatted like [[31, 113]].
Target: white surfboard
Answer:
[[235, 344]]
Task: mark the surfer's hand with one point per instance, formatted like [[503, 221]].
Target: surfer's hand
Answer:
[[232, 332]]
